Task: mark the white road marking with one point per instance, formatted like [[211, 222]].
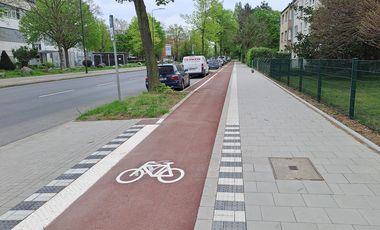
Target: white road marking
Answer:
[[40, 218], [53, 94], [103, 84]]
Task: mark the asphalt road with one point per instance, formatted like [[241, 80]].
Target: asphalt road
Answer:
[[29, 109]]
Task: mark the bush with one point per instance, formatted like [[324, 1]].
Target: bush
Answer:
[[24, 55], [87, 63], [259, 52], [5, 62]]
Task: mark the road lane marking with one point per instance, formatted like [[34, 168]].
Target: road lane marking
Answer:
[[53, 94], [103, 84]]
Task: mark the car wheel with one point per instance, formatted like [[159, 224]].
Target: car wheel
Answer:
[[182, 86]]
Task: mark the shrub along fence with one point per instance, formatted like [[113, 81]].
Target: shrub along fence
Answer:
[[350, 86]]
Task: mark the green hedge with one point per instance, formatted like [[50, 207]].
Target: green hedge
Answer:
[[263, 52]]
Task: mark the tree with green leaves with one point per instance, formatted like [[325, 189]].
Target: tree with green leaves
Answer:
[[24, 55], [336, 29], [176, 35], [146, 38], [5, 62], [131, 39], [258, 27], [200, 20], [57, 21]]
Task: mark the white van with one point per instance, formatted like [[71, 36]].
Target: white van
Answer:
[[196, 65]]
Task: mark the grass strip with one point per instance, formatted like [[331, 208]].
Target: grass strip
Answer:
[[145, 105]]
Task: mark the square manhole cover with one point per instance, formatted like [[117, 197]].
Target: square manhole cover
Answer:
[[297, 168]]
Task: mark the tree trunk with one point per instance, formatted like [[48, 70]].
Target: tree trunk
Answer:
[[150, 58], [61, 58], [67, 57]]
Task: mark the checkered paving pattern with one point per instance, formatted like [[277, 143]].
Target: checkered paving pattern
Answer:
[[19, 212], [229, 208]]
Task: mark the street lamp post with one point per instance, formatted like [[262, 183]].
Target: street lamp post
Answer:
[[153, 26], [83, 40]]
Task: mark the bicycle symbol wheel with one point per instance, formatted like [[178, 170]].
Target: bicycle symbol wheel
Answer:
[[131, 175], [178, 174]]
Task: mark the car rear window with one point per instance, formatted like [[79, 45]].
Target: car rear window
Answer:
[[167, 69]]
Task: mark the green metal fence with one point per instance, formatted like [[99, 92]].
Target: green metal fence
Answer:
[[350, 86]]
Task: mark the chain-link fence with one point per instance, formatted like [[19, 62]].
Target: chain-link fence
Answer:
[[350, 86]]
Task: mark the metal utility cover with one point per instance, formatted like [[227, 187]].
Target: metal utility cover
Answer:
[[297, 168]]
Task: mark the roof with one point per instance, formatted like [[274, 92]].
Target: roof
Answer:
[[290, 4]]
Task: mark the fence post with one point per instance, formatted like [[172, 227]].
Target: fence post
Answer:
[[354, 76], [288, 80], [319, 90], [300, 75]]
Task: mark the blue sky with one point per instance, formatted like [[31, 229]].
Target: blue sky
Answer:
[[171, 13]]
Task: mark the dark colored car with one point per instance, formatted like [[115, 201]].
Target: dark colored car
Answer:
[[213, 64], [172, 75]]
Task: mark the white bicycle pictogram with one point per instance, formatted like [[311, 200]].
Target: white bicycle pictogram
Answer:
[[162, 170]]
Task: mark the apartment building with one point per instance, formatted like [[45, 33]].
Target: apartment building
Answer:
[[291, 24], [12, 38]]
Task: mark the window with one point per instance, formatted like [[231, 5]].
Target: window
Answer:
[[282, 36], [295, 30]]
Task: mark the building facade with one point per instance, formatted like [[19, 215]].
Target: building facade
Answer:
[[12, 38], [292, 24]]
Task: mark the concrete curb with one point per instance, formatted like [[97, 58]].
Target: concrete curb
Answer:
[[10, 82], [335, 122]]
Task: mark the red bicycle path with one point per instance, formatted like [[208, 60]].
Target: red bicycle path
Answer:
[[186, 137]]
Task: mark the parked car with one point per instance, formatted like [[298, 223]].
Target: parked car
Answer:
[[196, 65], [213, 64], [221, 61], [172, 75]]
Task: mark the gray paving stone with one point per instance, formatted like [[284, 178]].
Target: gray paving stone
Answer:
[[319, 201], [345, 216], [289, 200], [263, 225], [284, 214], [250, 186], [205, 213], [229, 205], [355, 189], [298, 226], [362, 227], [335, 178], [290, 186], [203, 225], [258, 198], [266, 187], [311, 215], [335, 227], [28, 205], [219, 225], [372, 216], [8, 224], [231, 188], [253, 212], [317, 187], [347, 201]]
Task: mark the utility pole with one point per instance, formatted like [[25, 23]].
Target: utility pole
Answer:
[[83, 40], [153, 28], [113, 38]]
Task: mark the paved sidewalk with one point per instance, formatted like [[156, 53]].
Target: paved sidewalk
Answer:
[[8, 82], [29, 164], [273, 124]]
